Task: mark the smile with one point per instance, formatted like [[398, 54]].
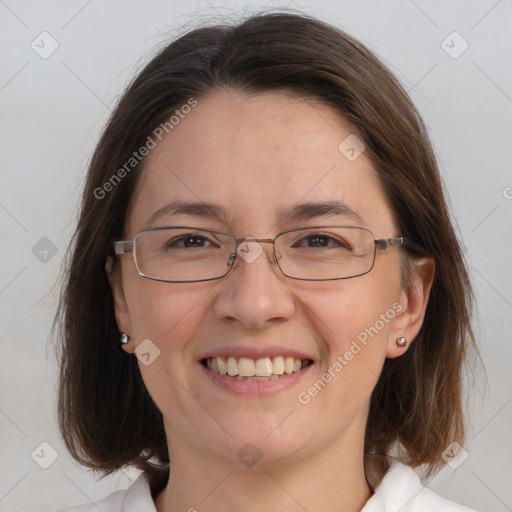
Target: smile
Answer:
[[263, 369]]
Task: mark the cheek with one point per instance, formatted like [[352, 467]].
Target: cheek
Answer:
[[360, 309], [168, 315], [354, 339], [163, 311], [354, 318]]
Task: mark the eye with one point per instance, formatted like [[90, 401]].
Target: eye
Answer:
[[189, 241], [322, 240]]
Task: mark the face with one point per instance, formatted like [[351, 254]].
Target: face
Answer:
[[258, 156]]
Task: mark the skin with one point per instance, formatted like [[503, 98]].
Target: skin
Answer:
[[255, 155]]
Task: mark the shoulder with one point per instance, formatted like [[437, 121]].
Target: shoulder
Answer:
[[401, 489], [137, 498]]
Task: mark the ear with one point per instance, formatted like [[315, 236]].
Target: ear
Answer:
[[413, 302], [121, 308]]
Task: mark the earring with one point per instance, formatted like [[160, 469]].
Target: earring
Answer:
[[401, 342], [124, 339]]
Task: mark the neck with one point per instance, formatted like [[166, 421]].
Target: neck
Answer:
[[332, 480]]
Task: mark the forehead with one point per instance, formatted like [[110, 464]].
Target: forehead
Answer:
[[258, 156]]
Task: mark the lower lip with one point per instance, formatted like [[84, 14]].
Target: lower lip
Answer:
[[256, 387]]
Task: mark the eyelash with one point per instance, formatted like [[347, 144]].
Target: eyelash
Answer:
[[173, 242]]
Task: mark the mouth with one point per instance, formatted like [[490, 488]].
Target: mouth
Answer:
[[262, 369]]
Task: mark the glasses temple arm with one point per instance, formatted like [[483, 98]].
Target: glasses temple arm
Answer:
[[123, 247], [386, 243]]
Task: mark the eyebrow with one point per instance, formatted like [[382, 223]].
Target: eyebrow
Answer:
[[300, 212], [305, 211]]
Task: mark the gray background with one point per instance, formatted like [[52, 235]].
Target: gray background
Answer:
[[53, 108]]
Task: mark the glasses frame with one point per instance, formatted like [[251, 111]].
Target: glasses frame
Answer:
[[129, 246]]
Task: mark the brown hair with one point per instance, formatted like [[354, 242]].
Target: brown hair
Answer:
[[106, 415]]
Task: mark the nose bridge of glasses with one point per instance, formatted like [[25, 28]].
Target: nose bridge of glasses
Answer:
[[249, 254]]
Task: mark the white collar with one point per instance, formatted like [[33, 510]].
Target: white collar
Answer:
[[138, 496], [400, 489]]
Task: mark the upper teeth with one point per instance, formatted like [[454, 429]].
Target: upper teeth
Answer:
[[264, 367]]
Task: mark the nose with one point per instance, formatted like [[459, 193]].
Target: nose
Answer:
[[255, 292]]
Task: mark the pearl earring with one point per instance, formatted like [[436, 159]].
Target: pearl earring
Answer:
[[401, 342], [124, 339]]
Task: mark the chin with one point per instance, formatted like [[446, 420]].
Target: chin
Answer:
[[257, 442]]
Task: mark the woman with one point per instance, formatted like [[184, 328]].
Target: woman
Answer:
[[266, 306]]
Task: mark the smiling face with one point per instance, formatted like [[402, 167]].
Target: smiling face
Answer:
[[259, 157]]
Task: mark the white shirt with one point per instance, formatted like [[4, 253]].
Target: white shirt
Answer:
[[400, 489]]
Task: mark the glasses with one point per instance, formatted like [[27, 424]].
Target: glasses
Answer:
[[181, 254]]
